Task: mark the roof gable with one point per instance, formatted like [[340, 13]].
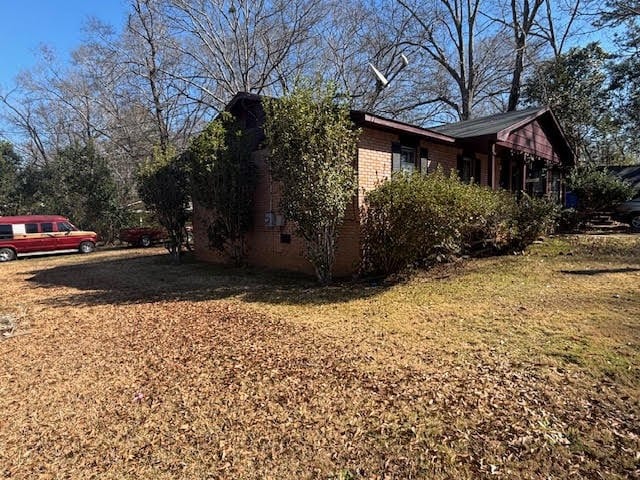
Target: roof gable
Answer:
[[500, 123], [533, 130]]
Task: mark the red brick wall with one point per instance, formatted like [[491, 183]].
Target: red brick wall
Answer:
[[264, 247]]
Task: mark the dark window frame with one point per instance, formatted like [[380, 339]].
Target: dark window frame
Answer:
[[469, 168]]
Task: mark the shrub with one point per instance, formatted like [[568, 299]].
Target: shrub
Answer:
[[597, 190], [413, 219], [163, 186], [532, 218], [417, 219], [223, 181], [569, 220]]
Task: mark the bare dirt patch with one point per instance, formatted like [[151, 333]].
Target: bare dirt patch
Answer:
[[506, 367]]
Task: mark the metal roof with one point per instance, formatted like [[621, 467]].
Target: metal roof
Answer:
[[491, 125]]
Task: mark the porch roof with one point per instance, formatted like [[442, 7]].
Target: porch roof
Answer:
[[499, 125], [533, 130]]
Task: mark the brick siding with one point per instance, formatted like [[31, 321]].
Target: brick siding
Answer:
[[264, 246]]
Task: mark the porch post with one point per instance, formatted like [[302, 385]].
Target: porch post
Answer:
[[492, 165]]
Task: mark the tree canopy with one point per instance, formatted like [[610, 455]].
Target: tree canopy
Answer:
[[10, 163]]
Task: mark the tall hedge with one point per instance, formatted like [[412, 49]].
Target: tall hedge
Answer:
[[223, 181], [416, 219]]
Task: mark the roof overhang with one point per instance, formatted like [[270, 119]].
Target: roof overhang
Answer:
[[374, 121]]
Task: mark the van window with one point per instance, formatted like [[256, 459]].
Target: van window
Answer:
[[46, 227], [65, 227], [31, 228], [6, 232]]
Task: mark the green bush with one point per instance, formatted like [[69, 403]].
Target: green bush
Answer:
[[597, 190], [417, 219], [163, 186], [532, 218], [413, 219]]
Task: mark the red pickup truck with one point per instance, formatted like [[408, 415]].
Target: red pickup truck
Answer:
[[147, 236], [143, 236]]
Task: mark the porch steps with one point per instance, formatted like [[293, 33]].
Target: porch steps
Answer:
[[603, 223]]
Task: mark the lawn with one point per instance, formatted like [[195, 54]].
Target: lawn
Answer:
[[120, 365]]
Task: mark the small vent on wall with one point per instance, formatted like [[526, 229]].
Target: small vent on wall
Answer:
[[285, 238]]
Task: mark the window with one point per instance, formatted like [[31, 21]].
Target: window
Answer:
[[469, 168], [556, 186], [407, 159], [6, 232], [46, 227], [31, 228], [65, 227], [403, 157], [536, 182], [424, 160]]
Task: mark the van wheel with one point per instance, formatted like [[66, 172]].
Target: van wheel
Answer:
[[145, 241], [7, 254], [635, 223], [87, 247]]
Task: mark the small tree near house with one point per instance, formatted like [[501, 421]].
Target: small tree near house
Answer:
[[313, 145], [223, 179], [163, 186]]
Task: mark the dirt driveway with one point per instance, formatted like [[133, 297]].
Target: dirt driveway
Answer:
[[123, 366]]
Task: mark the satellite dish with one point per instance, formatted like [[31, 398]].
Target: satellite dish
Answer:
[[381, 78], [383, 81]]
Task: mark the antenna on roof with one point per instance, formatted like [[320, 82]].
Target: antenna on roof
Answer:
[[383, 80]]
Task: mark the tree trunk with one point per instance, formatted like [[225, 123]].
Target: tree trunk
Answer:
[[516, 79]]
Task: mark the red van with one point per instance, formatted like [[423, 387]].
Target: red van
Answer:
[[32, 234]]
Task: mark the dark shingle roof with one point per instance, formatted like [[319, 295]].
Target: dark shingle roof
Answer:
[[489, 125], [630, 173]]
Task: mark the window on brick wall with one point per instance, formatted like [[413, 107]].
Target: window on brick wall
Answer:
[[469, 168], [403, 157]]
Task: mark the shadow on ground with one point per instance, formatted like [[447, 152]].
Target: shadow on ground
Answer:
[[154, 278], [601, 271]]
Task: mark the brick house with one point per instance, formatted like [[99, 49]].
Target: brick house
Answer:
[[522, 150]]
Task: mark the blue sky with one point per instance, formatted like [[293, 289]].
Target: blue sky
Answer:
[[26, 24]]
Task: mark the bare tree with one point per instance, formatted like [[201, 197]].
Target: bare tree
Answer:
[[21, 116], [462, 43], [258, 46], [52, 107]]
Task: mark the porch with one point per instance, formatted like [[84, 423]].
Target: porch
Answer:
[[526, 150]]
